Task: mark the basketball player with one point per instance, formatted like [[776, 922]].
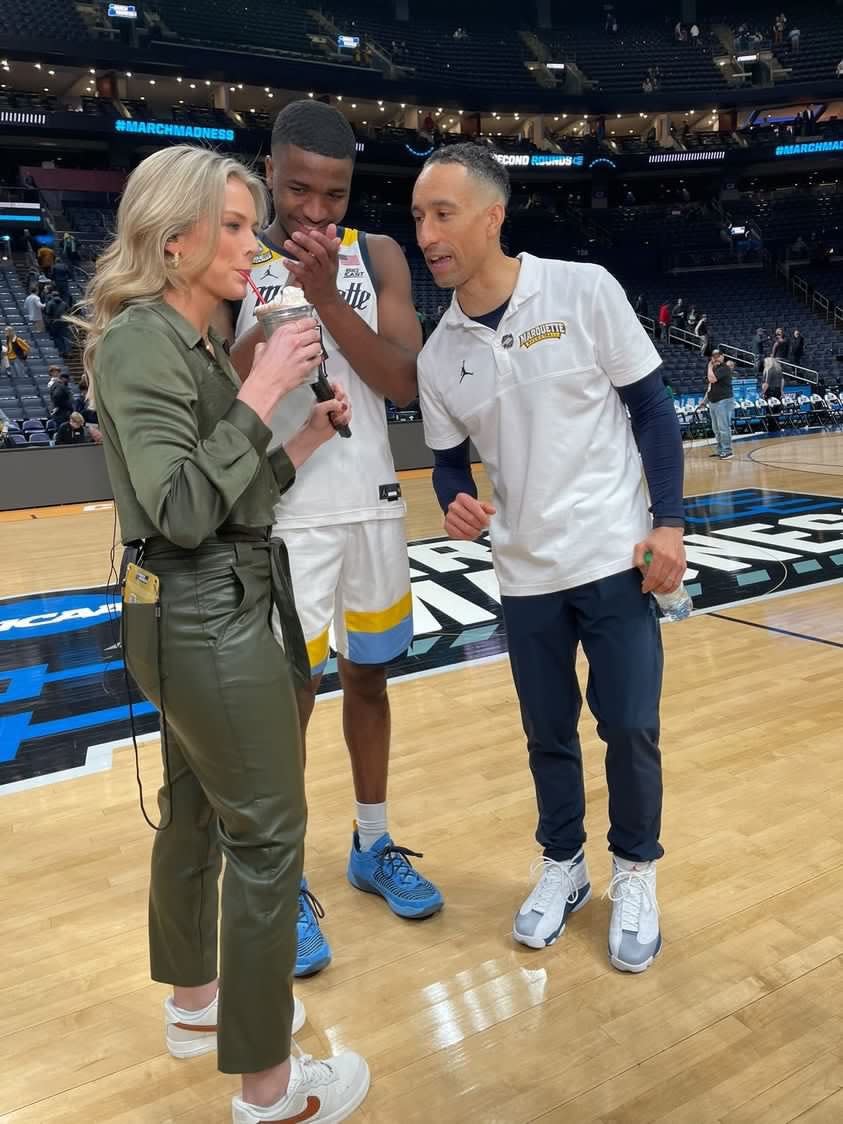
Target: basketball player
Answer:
[[344, 526], [556, 355]]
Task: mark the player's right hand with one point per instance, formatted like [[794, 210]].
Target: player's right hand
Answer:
[[467, 518], [289, 358]]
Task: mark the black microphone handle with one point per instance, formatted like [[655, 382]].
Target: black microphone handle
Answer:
[[322, 389]]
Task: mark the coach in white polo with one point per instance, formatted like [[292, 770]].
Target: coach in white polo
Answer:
[[545, 367]]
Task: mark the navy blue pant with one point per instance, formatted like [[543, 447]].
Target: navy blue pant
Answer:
[[619, 631]]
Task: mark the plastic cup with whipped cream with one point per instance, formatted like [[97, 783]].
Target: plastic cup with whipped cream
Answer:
[[290, 305]]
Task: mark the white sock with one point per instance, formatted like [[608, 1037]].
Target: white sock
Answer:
[[371, 823], [193, 1016]]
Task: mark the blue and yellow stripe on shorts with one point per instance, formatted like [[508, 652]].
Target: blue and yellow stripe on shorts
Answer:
[[318, 651], [376, 638]]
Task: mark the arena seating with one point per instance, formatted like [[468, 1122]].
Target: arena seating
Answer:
[[737, 303], [44, 20], [279, 26], [618, 63], [23, 389], [782, 218]]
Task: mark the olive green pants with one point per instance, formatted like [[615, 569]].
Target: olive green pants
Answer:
[[210, 663]]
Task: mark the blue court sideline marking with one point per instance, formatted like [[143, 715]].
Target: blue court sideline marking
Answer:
[[772, 628]]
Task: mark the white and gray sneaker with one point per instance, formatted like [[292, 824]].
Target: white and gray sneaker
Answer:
[[562, 889], [319, 1092], [634, 937]]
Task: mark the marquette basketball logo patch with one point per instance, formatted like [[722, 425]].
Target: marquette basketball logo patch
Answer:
[[553, 331]]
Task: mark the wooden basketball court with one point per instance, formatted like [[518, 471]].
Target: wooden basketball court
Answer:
[[740, 1021]]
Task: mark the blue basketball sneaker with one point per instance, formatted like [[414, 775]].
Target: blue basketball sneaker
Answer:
[[386, 870], [313, 952]]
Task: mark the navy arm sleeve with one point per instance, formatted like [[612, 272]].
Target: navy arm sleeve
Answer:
[[659, 441], [452, 474]]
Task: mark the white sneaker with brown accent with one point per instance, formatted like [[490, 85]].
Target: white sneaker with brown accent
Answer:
[[319, 1093], [191, 1033]]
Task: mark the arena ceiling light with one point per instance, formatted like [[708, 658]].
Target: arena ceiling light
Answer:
[[193, 85], [207, 81], [152, 81], [92, 71], [339, 97], [38, 66], [51, 72], [354, 105], [128, 74], [310, 95], [181, 80]]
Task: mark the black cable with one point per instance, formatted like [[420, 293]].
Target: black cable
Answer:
[[112, 589], [164, 743]]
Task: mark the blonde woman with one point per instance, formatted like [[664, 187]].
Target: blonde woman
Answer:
[[194, 484]]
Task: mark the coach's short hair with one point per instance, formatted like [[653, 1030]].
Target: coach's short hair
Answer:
[[478, 161], [315, 127]]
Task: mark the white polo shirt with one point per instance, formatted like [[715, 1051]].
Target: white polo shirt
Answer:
[[537, 397]]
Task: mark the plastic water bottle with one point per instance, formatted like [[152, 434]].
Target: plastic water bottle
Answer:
[[676, 606]]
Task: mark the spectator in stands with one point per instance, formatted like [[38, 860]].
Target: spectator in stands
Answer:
[[691, 319], [797, 347], [642, 308], [695, 34], [794, 35], [6, 441], [15, 350], [703, 335], [781, 346], [73, 431], [46, 259], [61, 280], [679, 32], [647, 85], [33, 309], [839, 71], [678, 314], [80, 400], [760, 346], [70, 251], [772, 387], [664, 320], [428, 124], [54, 371], [54, 310], [61, 397]]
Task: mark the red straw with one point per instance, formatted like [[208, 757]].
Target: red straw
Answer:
[[246, 275]]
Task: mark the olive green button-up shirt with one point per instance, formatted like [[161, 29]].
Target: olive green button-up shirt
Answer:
[[185, 457]]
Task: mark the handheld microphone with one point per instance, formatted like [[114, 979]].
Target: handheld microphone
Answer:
[[322, 390]]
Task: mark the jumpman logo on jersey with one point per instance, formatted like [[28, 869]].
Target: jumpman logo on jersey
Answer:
[[268, 273], [464, 372]]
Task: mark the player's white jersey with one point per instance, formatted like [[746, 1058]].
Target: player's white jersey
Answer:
[[346, 480]]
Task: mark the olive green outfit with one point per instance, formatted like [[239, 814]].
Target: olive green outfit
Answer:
[[191, 477]]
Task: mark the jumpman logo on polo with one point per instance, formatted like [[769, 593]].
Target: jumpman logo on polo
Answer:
[[464, 372]]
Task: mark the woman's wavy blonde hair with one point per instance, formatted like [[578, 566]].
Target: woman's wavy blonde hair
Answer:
[[167, 194]]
